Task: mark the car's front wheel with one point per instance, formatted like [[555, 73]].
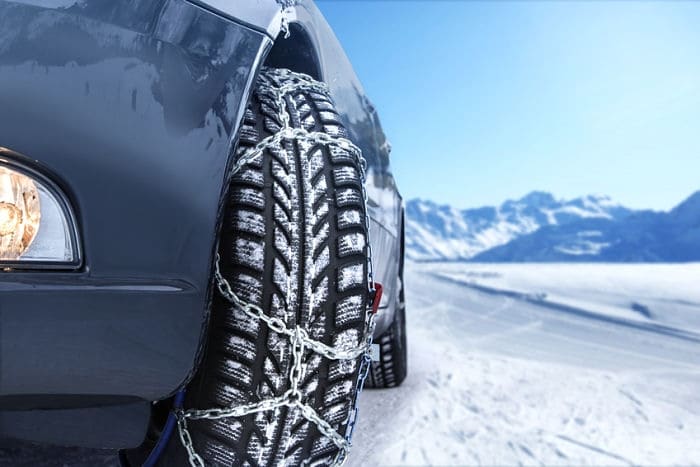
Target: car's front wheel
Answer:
[[289, 325]]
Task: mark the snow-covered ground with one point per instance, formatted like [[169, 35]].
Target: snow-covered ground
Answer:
[[660, 294], [530, 364], [502, 374]]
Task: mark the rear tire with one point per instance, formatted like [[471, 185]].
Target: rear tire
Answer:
[[293, 242], [392, 367]]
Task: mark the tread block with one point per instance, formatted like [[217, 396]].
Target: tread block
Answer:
[[351, 244], [341, 156], [350, 218], [248, 197], [346, 175], [249, 253], [349, 309], [350, 276], [349, 197], [251, 222]]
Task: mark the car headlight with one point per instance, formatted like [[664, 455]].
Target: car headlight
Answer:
[[36, 226]]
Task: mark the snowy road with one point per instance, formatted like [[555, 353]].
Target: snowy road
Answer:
[[499, 378]]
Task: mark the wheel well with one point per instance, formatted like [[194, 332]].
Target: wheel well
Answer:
[[295, 53]]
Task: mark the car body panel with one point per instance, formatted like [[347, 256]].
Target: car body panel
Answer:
[[262, 15], [135, 120], [132, 108]]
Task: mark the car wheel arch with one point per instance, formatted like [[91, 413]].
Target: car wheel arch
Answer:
[[294, 50]]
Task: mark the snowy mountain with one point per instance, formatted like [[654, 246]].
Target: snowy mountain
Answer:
[[435, 232], [540, 228], [644, 236]]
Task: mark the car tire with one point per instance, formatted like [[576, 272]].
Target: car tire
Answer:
[[392, 366], [293, 243]]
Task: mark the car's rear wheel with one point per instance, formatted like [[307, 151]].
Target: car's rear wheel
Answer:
[[293, 245], [392, 367]]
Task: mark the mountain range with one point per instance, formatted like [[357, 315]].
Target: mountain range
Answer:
[[540, 228]]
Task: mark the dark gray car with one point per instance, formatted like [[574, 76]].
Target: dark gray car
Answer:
[[195, 204]]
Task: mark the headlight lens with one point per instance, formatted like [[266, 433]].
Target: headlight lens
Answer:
[[20, 213], [34, 226]]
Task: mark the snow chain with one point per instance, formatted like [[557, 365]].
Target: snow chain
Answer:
[[299, 339]]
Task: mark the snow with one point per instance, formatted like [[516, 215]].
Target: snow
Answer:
[[584, 243], [582, 247], [669, 292], [349, 217], [498, 378], [350, 276], [351, 243]]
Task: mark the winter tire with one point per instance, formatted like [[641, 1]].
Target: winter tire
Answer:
[[293, 243], [391, 369]]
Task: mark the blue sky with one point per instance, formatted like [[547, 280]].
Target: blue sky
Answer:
[[485, 101]]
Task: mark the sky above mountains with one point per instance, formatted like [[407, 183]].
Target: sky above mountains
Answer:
[[485, 101]]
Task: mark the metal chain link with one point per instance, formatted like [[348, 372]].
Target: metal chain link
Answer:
[[299, 338]]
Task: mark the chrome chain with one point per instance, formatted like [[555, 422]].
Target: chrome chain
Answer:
[[299, 338]]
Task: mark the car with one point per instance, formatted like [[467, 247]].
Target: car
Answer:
[[200, 232]]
